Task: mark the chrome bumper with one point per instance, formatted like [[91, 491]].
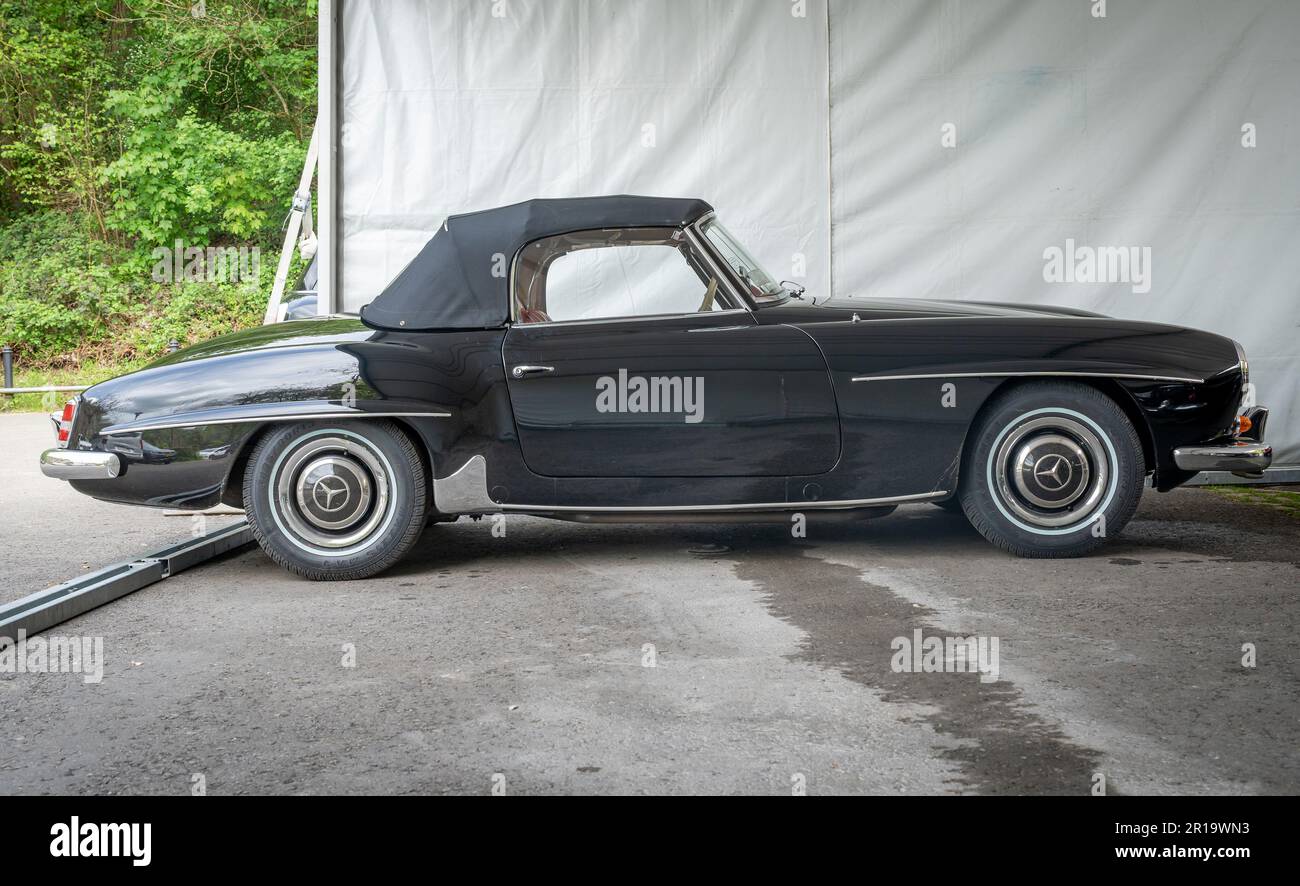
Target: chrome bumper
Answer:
[[74, 464], [1244, 457]]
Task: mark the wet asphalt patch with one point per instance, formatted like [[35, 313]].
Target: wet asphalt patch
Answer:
[[850, 624]]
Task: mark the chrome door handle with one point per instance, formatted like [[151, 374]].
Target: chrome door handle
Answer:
[[521, 371]]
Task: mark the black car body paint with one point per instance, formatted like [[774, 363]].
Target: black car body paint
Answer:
[[783, 410]]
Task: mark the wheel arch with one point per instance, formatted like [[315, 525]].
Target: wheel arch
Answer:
[[1109, 387], [426, 455], [232, 492], [1122, 398]]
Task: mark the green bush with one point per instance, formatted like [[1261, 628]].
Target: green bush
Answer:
[[57, 287], [125, 127], [190, 179], [67, 298]]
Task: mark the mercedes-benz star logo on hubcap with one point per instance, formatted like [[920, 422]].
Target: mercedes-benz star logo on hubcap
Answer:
[[1053, 471], [326, 490]]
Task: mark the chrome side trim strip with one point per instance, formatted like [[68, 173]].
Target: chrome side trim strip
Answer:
[[1195, 381], [258, 418], [465, 491], [639, 318], [730, 508]]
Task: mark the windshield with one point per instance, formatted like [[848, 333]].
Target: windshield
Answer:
[[759, 283]]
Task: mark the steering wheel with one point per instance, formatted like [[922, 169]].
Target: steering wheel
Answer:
[[707, 304]]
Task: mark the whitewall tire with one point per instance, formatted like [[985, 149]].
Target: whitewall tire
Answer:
[[1051, 469], [331, 502]]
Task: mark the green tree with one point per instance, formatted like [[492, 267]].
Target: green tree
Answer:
[[126, 125]]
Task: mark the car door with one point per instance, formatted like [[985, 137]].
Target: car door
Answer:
[[639, 362]]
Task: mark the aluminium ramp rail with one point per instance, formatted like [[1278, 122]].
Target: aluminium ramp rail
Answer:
[[45, 609]]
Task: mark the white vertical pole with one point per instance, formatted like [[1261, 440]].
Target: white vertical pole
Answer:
[[830, 158], [327, 46], [301, 204]]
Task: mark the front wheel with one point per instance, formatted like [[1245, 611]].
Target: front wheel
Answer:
[[1052, 469], [335, 503]]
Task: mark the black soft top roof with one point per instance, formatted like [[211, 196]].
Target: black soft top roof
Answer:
[[460, 279]]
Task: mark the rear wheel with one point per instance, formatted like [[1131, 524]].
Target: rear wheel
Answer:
[[1052, 470], [331, 503]]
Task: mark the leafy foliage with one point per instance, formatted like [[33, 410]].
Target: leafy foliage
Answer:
[[67, 298], [126, 125]]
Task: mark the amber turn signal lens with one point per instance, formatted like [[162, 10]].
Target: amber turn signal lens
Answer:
[[1244, 424]]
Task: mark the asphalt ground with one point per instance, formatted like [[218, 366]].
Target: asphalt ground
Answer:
[[567, 658]]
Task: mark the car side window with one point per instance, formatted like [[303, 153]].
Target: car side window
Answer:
[[611, 274]]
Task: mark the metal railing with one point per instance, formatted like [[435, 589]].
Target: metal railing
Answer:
[[8, 390]]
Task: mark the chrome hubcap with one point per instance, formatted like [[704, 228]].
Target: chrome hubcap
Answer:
[[332, 493], [1051, 471]]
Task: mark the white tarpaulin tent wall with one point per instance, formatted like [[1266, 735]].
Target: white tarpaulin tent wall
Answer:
[[915, 148], [448, 107]]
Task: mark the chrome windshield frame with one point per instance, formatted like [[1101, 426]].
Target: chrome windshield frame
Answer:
[[695, 230]]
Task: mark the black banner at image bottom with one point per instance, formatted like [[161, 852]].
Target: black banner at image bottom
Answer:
[[141, 834]]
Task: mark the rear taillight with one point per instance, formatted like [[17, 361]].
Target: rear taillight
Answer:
[[63, 422]]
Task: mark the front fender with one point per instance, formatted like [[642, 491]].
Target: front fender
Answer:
[[916, 385]]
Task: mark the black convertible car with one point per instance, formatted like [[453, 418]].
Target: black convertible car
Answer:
[[625, 359]]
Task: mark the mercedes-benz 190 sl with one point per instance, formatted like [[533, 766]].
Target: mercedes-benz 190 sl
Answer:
[[627, 359]]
